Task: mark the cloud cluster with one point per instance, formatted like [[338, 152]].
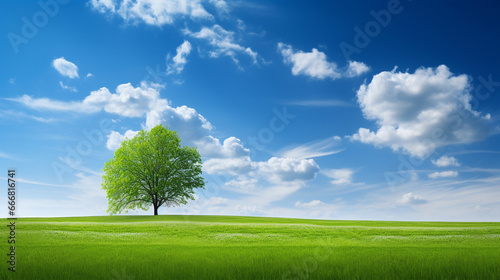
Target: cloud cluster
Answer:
[[314, 64], [420, 112], [65, 68], [275, 170], [158, 13], [130, 101], [229, 157]]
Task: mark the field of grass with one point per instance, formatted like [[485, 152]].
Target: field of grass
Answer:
[[224, 247]]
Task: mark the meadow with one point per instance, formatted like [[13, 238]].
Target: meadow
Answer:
[[227, 247]]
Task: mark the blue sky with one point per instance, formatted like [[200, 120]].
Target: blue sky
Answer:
[[383, 110]]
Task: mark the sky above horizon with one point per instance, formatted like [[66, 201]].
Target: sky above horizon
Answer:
[[371, 110]]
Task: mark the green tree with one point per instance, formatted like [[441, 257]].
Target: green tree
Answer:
[[151, 169]]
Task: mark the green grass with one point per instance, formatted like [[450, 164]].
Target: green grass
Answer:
[[224, 247]]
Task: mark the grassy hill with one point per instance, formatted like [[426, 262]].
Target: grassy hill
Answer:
[[229, 247]]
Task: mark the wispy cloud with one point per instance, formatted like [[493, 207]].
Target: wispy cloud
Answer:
[[4, 155], [223, 42], [318, 148], [443, 174], [341, 177], [413, 199], [70, 88], [21, 115]]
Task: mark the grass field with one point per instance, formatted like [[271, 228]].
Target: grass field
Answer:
[[224, 247]]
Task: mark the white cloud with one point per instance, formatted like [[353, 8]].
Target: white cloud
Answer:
[[356, 68], [63, 86], [221, 6], [313, 203], [65, 68], [445, 161], [223, 43], [279, 170], [420, 112], [231, 166], [9, 114], [12, 81], [179, 60], [314, 64], [341, 176], [275, 170], [443, 174], [103, 5], [129, 101], [276, 177], [154, 12], [89, 75], [115, 138], [413, 199], [312, 149], [232, 147]]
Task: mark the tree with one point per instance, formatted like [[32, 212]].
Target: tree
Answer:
[[151, 169]]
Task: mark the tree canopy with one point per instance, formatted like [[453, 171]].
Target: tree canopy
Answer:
[[151, 169]]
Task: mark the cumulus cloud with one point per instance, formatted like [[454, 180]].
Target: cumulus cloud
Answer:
[[223, 43], [158, 13], [445, 161], [314, 64], [232, 147], [412, 199], [356, 68], [179, 60], [420, 112], [341, 176], [443, 174], [115, 139], [65, 68]]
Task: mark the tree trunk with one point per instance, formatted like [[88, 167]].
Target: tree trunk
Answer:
[[156, 210]]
